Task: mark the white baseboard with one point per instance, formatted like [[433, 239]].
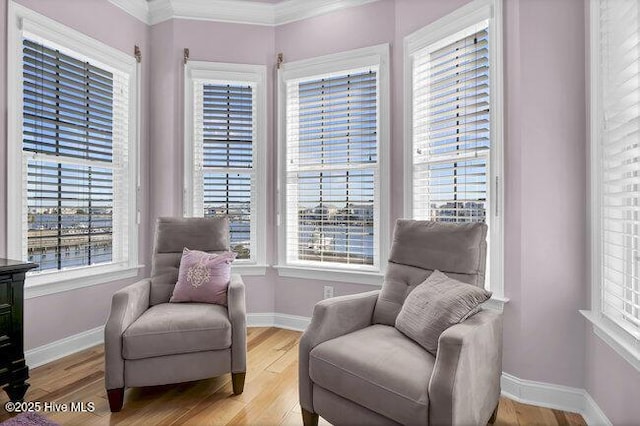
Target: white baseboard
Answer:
[[548, 395], [271, 319], [592, 414], [265, 319], [60, 348]]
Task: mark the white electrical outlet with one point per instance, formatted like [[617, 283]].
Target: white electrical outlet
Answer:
[[328, 291]]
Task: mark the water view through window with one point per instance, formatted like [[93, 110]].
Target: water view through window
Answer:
[[332, 167], [68, 150], [451, 131], [227, 134]]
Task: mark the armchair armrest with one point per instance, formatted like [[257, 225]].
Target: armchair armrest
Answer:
[[332, 318], [127, 305], [465, 384], [238, 316]]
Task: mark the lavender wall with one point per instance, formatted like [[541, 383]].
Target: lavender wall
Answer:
[[347, 29], [353, 28], [611, 381], [3, 128], [546, 147], [385, 21], [244, 44], [50, 318], [545, 176], [207, 41], [545, 221]]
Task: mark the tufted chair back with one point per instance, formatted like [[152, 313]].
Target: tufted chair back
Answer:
[[419, 247], [210, 234]]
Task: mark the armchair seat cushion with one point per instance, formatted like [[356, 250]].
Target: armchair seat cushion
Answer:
[[177, 328], [378, 368]]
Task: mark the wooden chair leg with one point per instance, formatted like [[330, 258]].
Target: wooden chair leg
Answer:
[[116, 398], [309, 418], [237, 379], [494, 415]]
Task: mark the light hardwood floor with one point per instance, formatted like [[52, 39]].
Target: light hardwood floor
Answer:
[[270, 394]]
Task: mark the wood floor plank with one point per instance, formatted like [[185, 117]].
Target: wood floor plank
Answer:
[[548, 417], [270, 408], [507, 415], [530, 415], [294, 418], [281, 364], [162, 404], [575, 419], [258, 338], [92, 392], [270, 396], [291, 419], [560, 418], [216, 410]]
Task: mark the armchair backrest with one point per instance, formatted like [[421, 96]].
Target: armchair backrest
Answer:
[[172, 235], [419, 247]]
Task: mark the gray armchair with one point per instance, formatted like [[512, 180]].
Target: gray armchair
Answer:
[[149, 341], [357, 369]]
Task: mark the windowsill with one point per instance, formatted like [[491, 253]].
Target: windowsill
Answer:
[[326, 274], [57, 282], [496, 303], [624, 344], [249, 269]]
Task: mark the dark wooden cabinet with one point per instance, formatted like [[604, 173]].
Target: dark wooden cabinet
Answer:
[[13, 369]]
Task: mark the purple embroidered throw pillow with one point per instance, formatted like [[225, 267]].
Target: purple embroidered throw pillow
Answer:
[[203, 277]]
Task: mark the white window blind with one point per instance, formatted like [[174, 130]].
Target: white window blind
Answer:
[[332, 169], [224, 173], [451, 129], [619, 129], [75, 160]]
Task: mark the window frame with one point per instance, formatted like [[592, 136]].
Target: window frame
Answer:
[[377, 55], [257, 76], [438, 32], [619, 339], [22, 20]]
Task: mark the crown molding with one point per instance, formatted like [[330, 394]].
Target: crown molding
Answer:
[[233, 11], [160, 11], [139, 9], [288, 11]]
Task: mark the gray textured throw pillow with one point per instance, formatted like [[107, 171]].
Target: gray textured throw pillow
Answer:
[[435, 305]]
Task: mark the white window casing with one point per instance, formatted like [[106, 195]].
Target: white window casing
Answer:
[[453, 127], [72, 155], [615, 175], [333, 166], [225, 153]]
